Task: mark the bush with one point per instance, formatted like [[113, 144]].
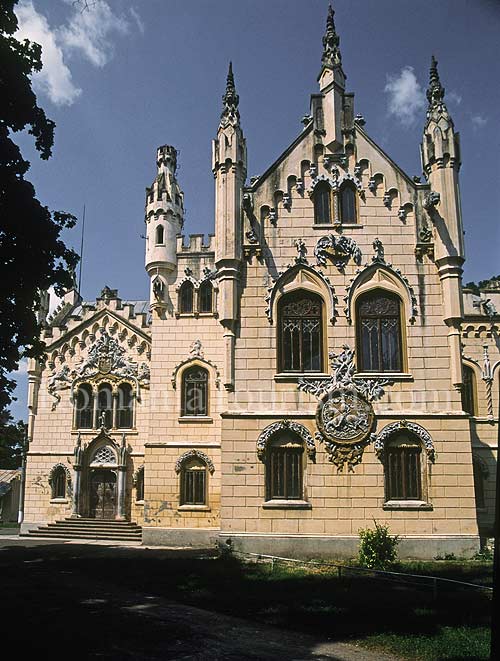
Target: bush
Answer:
[[377, 548]]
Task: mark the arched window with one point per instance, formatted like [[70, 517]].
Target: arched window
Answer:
[[403, 470], [186, 298], [284, 469], [347, 196], [193, 482], [480, 476], [84, 404], [58, 482], [139, 485], [379, 332], [300, 341], [125, 407], [194, 391], [205, 296], [105, 406], [469, 391], [160, 235], [322, 198]]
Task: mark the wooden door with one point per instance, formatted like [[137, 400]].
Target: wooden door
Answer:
[[103, 494]]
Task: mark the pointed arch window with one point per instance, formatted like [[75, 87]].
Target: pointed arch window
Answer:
[[205, 297], [194, 392], [84, 405], [469, 391], [379, 332], [300, 328], [125, 406], [105, 406], [59, 483], [347, 201], [186, 298], [160, 235], [322, 199], [403, 470]]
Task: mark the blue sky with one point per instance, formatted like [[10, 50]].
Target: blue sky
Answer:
[[125, 76]]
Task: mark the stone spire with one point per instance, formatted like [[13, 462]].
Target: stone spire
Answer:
[[331, 52], [435, 92], [230, 113]]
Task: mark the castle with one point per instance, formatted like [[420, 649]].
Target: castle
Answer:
[[313, 366]]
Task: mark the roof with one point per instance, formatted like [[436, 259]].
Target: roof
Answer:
[[8, 475]]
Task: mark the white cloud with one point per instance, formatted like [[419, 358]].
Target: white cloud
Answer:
[[87, 33], [55, 78], [478, 121], [54, 300], [406, 96], [22, 368], [454, 97]]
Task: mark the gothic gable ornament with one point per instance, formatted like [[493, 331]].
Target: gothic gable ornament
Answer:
[[344, 416], [339, 249]]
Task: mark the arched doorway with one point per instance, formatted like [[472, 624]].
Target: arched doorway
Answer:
[[103, 494]]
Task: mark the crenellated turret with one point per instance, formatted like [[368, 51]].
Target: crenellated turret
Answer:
[[164, 219], [331, 80], [229, 165], [441, 162]]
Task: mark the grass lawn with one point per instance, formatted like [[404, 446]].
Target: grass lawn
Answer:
[[404, 619]]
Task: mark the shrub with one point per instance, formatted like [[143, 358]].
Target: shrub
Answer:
[[377, 548]]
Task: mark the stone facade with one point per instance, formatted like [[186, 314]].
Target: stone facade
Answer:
[[251, 424]]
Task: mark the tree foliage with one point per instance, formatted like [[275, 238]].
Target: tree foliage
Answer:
[[33, 256], [12, 441]]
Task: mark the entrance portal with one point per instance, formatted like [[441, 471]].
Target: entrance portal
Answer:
[[102, 494]]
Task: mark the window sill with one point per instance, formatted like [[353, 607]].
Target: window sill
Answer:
[[393, 376], [286, 505], [293, 377], [139, 502], [193, 508], [112, 430], [59, 501], [202, 419], [407, 505], [340, 226]]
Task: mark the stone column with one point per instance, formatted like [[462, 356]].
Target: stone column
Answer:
[[77, 472], [122, 480]]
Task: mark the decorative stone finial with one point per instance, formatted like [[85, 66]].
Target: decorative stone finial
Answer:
[[230, 113], [331, 51], [435, 91]]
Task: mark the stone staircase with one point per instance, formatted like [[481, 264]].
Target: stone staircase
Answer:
[[119, 531]]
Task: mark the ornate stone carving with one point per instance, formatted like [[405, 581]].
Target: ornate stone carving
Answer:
[[106, 356], [414, 428], [287, 201], [402, 213], [104, 455], [60, 380], [299, 186], [196, 353], [431, 200], [159, 289], [301, 251], [57, 467], [344, 416], [273, 217], [194, 454], [137, 475], [487, 377], [372, 184], [387, 199], [338, 249], [196, 350], [359, 120], [284, 425], [335, 181], [379, 256]]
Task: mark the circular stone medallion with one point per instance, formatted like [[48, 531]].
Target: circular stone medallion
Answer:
[[344, 416]]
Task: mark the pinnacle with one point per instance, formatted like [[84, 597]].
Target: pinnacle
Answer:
[[331, 51], [435, 91], [230, 100]]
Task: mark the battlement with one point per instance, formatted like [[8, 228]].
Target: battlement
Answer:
[[195, 244], [167, 155]]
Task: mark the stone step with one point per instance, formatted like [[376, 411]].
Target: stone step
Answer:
[[97, 524], [89, 529], [82, 535], [94, 531]]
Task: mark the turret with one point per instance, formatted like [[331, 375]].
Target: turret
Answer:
[[229, 165], [331, 80], [441, 162], [164, 218]]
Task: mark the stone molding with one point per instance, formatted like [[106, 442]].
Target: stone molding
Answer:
[[194, 454], [286, 425]]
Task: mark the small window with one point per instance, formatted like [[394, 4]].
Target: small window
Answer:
[[84, 407], [194, 392], [284, 479], [139, 485], [300, 332], [160, 235], [58, 483], [125, 407], [205, 297], [403, 469], [193, 483], [322, 198], [186, 298], [348, 204], [379, 332], [105, 406], [468, 390]]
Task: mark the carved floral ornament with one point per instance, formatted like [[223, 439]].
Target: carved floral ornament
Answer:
[[344, 415], [196, 354], [403, 425], [338, 249], [283, 426], [335, 181], [105, 358], [194, 454]]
